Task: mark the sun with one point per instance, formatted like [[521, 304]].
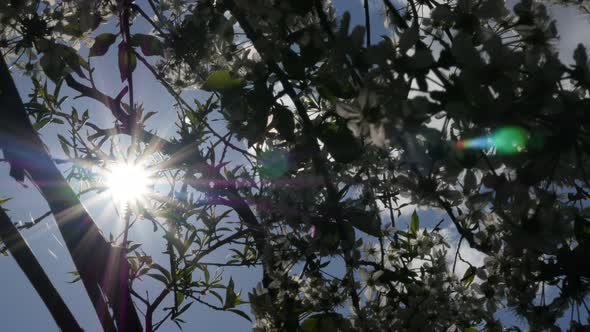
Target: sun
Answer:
[[127, 182]]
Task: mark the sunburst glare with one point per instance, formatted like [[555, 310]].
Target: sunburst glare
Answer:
[[127, 182]]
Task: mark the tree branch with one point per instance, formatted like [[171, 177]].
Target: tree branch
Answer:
[[114, 105], [24, 257], [367, 23], [319, 163], [395, 15], [97, 261]]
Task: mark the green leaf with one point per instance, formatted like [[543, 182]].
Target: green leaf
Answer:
[[206, 273], [125, 65], [4, 200], [162, 270], [76, 278], [148, 115], [465, 52], [183, 309], [344, 24], [101, 44], [214, 293], [469, 181], [284, 122], [415, 222], [469, 275], [310, 324], [301, 7], [177, 243], [421, 59], [150, 45], [230, 295], [442, 13], [328, 237], [326, 322], [241, 313], [64, 144], [366, 221], [52, 66], [357, 37], [492, 9], [71, 57], [133, 247], [340, 142], [221, 80], [580, 56], [470, 329], [37, 126], [159, 277], [178, 297], [408, 39], [293, 65], [347, 236]]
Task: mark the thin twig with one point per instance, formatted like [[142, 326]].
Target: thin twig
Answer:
[[457, 253], [185, 104], [367, 23]]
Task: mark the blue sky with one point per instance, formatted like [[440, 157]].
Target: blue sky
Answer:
[[22, 309]]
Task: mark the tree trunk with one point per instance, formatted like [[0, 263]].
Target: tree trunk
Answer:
[[24, 257], [101, 266]]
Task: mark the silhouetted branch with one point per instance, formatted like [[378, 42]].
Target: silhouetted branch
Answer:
[[98, 263], [24, 257], [367, 23], [318, 162]]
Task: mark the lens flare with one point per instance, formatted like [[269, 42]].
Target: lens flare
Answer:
[[506, 140], [127, 182], [273, 163]]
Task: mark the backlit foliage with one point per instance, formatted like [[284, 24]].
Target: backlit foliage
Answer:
[[329, 142]]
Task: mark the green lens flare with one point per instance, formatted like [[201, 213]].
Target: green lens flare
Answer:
[[273, 163], [510, 140], [506, 140]]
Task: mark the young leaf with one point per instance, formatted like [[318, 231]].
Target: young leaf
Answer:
[[221, 80], [493, 9], [230, 295], [162, 270], [241, 313], [363, 220], [442, 14], [415, 222], [469, 275], [64, 144], [37, 126], [469, 181], [408, 39], [101, 44], [53, 67], [73, 281], [183, 309], [148, 115], [127, 61], [71, 57], [150, 45], [159, 277], [293, 65], [284, 122], [328, 321], [341, 143], [214, 293]]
